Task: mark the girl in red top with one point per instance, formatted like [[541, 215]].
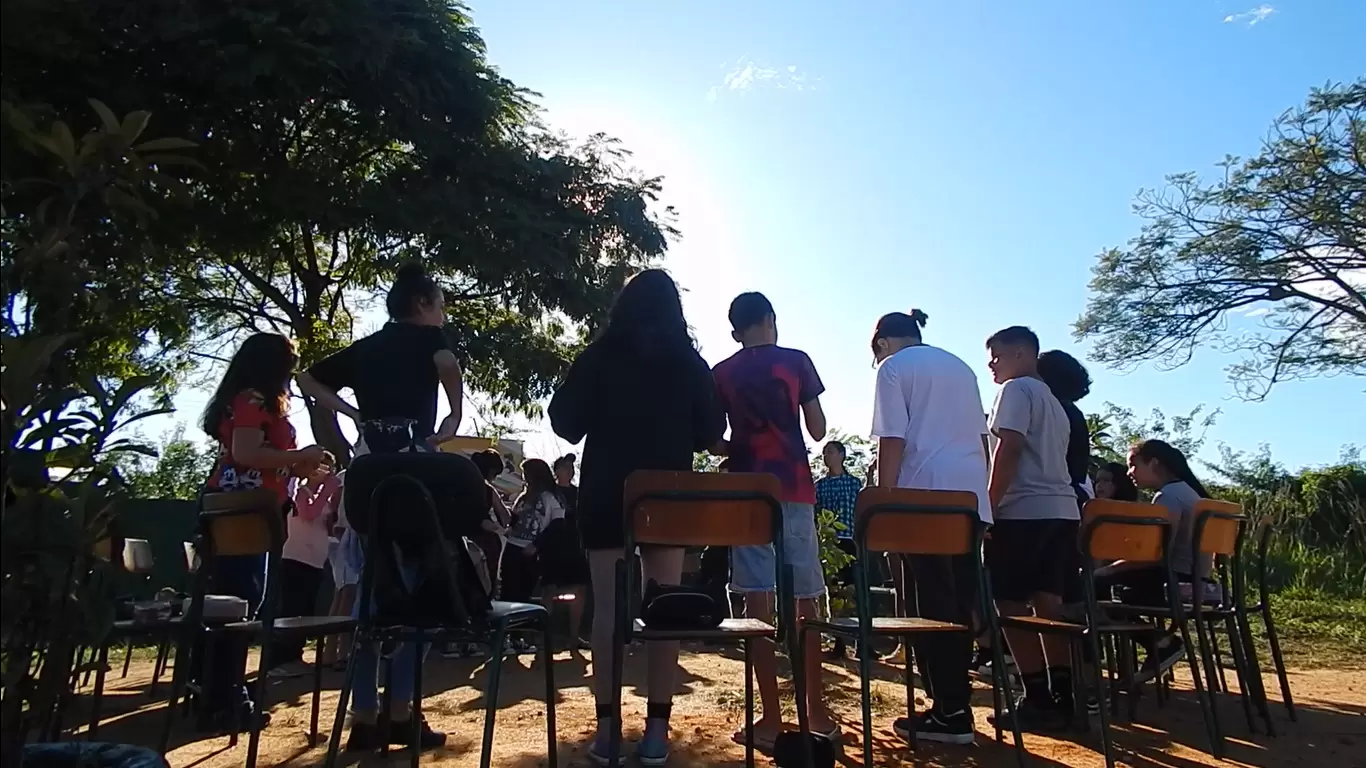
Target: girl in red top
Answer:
[[247, 417]]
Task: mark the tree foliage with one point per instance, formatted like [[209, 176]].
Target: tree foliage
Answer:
[[1116, 428], [178, 472], [338, 140], [1268, 262]]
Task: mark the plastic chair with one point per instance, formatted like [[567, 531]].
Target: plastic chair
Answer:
[[697, 509], [906, 521]]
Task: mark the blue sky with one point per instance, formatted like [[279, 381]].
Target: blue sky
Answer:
[[966, 158]]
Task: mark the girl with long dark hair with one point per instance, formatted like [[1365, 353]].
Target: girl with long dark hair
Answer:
[[248, 418], [640, 397], [1158, 466], [535, 510], [1113, 482]]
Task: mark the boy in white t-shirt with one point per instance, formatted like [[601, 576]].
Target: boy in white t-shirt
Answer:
[[927, 419], [1032, 552]]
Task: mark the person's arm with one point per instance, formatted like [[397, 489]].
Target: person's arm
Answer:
[[312, 501], [501, 511], [250, 449], [709, 418], [809, 393], [889, 453], [325, 378], [571, 406], [891, 422], [1009, 422], [453, 383]]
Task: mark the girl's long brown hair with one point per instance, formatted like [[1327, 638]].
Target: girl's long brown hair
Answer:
[[263, 364]]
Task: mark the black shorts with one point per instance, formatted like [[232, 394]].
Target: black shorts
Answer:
[[1028, 557]]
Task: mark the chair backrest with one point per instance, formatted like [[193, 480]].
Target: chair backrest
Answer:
[[911, 521], [699, 509], [1218, 525], [1130, 537], [1112, 508], [242, 522]]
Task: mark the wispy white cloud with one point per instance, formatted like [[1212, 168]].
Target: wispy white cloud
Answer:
[[746, 74], [1251, 17]]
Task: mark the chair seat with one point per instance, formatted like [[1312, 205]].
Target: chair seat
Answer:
[[1162, 611], [128, 627], [514, 612], [1055, 627], [296, 625], [885, 625], [729, 629]]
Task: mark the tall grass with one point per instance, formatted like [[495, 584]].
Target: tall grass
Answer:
[[1318, 542]]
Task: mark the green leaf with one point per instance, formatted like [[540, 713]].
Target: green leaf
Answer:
[[165, 145], [134, 123], [107, 117]]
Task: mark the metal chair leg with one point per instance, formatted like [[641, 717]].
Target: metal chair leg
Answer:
[[262, 689], [491, 694], [551, 734], [343, 698], [1247, 689], [127, 657], [317, 690], [1206, 705], [749, 701], [415, 713], [1106, 746], [1278, 659], [98, 698]]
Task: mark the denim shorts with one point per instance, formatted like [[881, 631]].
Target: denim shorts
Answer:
[[754, 569]]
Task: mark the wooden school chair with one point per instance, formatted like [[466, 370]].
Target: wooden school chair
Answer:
[[1114, 532], [698, 509], [455, 621], [234, 523], [904, 521]]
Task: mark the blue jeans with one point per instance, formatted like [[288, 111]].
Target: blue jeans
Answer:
[[365, 690]]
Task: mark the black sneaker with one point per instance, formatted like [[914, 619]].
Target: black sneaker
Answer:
[[1159, 663], [938, 728], [401, 734], [365, 737], [1035, 716]]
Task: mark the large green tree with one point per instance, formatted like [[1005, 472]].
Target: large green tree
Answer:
[[1268, 261], [339, 139]]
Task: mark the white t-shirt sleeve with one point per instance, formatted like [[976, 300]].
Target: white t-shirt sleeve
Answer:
[[891, 416], [1011, 411]]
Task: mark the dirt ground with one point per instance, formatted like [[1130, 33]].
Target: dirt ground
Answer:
[[1331, 731]]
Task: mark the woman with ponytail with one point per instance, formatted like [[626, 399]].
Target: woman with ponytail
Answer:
[[1158, 466], [394, 376]]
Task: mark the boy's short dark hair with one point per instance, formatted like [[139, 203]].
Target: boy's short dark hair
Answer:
[[748, 310], [1015, 336], [837, 445]]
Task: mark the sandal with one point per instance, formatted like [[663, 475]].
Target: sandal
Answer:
[[763, 744]]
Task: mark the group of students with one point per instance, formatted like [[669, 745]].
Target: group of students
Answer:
[[640, 397], [1028, 461]]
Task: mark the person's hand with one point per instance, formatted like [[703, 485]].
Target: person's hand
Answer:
[[311, 459], [445, 432]]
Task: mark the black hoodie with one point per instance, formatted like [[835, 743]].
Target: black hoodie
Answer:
[[637, 405]]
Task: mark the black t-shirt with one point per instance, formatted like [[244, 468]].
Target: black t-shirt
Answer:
[[392, 373], [1078, 446]]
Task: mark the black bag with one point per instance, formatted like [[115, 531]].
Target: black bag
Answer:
[[789, 750], [679, 608], [454, 482]]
